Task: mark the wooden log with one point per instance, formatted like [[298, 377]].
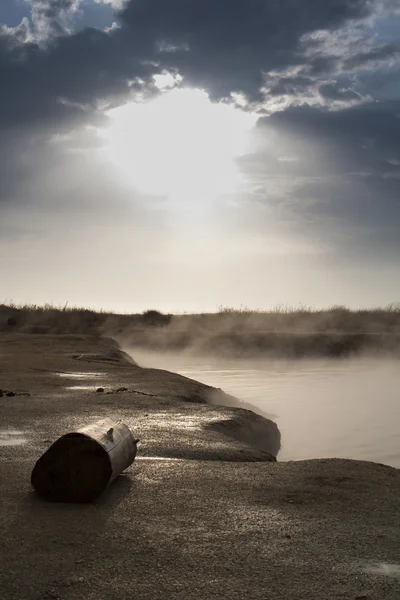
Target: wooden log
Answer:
[[80, 465]]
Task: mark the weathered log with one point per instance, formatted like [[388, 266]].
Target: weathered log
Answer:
[[80, 465]]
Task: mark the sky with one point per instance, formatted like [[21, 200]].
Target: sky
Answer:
[[185, 155]]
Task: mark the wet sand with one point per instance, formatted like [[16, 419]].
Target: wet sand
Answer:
[[202, 513]]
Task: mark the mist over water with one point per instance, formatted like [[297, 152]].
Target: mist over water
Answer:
[[323, 408]]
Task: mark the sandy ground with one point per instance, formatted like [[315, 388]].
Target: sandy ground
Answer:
[[202, 513]]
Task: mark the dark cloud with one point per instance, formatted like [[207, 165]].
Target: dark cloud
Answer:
[[335, 92], [345, 174], [66, 81], [373, 57], [227, 45], [224, 46], [290, 85], [374, 127]]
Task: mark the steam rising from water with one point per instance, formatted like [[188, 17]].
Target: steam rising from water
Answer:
[[323, 408], [335, 333]]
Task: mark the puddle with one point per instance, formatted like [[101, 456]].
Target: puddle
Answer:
[[81, 387], [385, 569], [159, 458], [11, 437], [80, 375]]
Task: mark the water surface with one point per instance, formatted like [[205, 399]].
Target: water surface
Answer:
[[12, 437], [324, 408]]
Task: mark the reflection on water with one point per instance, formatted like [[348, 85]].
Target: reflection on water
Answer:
[[162, 458], [346, 408], [11, 437], [84, 375], [385, 569], [79, 388]]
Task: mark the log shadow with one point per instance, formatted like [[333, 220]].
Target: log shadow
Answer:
[[54, 545]]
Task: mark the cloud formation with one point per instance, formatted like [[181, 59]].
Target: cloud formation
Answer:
[[323, 77], [343, 168], [51, 18], [231, 46]]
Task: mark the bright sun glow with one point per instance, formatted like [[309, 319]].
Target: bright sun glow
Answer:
[[179, 145]]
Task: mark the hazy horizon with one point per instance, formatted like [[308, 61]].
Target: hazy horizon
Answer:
[[239, 310], [184, 156]]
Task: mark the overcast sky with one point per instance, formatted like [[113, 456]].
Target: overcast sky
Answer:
[[190, 154]]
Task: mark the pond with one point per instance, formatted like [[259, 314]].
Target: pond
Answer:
[[323, 408]]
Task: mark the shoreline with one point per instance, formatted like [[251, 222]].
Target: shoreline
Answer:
[[222, 521]]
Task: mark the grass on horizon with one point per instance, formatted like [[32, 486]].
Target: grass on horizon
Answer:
[[279, 309], [49, 318]]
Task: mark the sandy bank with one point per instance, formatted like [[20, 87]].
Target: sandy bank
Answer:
[[201, 514]]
